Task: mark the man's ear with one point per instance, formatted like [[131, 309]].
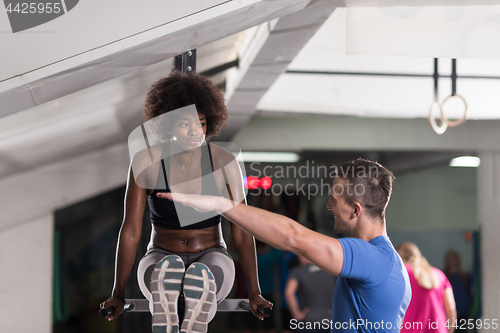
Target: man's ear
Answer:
[[357, 209]]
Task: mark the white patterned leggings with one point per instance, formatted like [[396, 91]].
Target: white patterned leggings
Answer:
[[217, 259]]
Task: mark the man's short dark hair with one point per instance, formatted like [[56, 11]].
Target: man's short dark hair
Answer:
[[368, 183]]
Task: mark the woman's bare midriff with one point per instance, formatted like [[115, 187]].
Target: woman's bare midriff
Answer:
[[187, 241]]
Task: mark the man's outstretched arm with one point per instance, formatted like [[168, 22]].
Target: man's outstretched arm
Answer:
[[276, 230]]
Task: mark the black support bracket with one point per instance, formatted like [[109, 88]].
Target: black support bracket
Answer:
[[186, 62]]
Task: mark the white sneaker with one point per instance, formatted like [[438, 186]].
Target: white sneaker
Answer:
[[166, 286], [199, 295]]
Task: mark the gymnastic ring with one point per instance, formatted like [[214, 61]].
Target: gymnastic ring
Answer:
[[458, 122], [444, 123]]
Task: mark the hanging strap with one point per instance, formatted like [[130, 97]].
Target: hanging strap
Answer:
[[436, 80], [453, 77]]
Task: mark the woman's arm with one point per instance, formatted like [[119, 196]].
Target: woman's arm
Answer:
[[128, 239], [449, 308], [291, 299], [245, 246], [244, 242]]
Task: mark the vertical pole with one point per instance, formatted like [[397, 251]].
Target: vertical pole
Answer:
[[488, 206]]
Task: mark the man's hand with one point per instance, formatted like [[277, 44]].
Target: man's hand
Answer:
[[202, 203], [256, 301]]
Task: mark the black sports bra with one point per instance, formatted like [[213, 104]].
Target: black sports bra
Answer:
[[163, 211]]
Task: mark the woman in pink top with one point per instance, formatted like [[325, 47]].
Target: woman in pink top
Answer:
[[432, 306]]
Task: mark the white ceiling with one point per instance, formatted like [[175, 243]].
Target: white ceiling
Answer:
[[90, 119], [102, 108], [377, 96]]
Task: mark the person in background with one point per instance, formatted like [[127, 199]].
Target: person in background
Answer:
[[461, 284], [315, 288], [432, 307], [288, 262]]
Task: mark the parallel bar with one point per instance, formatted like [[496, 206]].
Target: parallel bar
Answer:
[[227, 305]]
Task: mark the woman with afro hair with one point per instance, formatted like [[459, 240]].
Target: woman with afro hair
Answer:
[[186, 263]]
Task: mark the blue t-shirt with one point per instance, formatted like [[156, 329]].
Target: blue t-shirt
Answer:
[[373, 290]]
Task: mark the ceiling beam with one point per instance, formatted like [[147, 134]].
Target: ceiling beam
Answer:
[[296, 133], [73, 74]]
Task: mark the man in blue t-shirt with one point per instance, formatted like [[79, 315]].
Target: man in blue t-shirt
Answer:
[[373, 290]]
